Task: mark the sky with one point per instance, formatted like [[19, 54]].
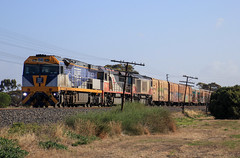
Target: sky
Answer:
[[198, 38]]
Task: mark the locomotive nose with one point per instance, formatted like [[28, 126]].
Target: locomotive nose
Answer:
[[41, 100]]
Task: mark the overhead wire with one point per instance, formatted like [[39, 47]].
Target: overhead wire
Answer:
[[22, 38], [21, 41], [8, 61]]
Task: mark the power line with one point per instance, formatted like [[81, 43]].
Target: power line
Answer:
[[125, 77], [7, 61], [38, 43], [187, 83]]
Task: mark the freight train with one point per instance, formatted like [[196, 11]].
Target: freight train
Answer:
[[50, 80]]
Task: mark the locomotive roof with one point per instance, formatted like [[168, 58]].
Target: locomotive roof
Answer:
[[65, 60]]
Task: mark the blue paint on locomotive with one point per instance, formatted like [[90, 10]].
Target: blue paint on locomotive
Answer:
[[78, 76]]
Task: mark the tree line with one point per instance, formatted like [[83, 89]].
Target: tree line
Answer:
[[10, 93]]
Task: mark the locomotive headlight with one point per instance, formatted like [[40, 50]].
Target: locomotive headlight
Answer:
[[55, 94], [25, 94]]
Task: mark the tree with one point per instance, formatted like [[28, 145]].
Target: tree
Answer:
[[225, 103], [16, 97], [7, 85], [211, 86], [13, 84], [121, 67], [5, 100]]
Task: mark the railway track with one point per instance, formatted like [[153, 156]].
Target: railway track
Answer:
[[8, 116]]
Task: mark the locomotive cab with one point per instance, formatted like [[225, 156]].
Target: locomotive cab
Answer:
[[39, 81]]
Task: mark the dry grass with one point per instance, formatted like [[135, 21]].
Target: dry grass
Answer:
[[206, 138], [85, 127], [27, 141], [193, 114], [3, 132], [115, 128]]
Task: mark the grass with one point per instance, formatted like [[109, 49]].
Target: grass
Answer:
[[200, 143], [194, 114], [51, 145], [232, 144], [185, 121], [11, 149], [21, 128], [84, 128], [69, 138], [235, 136], [81, 140], [136, 119]]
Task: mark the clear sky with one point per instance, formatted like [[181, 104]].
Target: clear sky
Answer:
[[177, 37]]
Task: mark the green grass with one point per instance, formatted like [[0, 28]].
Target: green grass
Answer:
[[10, 149], [235, 136], [81, 140], [200, 143], [232, 144], [21, 128], [135, 119], [52, 145], [185, 121]]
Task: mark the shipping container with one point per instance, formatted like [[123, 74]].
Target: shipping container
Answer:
[[160, 90], [173, 93]]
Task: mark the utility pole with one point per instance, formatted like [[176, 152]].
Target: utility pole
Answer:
[[167, 76], [208, 101], [125, 77], [186, 85]]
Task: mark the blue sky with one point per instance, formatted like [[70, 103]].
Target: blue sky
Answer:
[[197, 38]]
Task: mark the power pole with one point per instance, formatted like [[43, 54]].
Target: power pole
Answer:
[[125, 77], [186, 85], [208, 101], [167, 76]]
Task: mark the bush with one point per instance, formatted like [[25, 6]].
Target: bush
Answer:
[[225, 103], [81, 140], [10, 149], [16, 97], [22, 128], [136, 119], [52, 145], [5, 100]]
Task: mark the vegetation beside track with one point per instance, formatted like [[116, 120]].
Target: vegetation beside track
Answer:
[[83, 128]]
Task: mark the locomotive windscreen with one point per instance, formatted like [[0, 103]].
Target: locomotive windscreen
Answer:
[[43, 69]]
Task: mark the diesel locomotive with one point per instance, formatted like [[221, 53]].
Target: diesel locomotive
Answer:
[[50, 80]]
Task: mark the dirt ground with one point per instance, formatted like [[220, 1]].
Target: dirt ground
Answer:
[[199, 137]]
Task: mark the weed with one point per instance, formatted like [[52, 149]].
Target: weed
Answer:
[[193, 114], [80, 139], [136, 119], [232, 144], [235, 136], [21, 128], [116, 128], [206, 124], [10, 148], [200, 143], [50, 145], [185, 121]]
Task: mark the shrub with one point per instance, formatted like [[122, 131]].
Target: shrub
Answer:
[[16, 97], [10, 148], [225, 103], [5, 100], [136, 119], [22, 128], [81, 139], [51, 145]]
